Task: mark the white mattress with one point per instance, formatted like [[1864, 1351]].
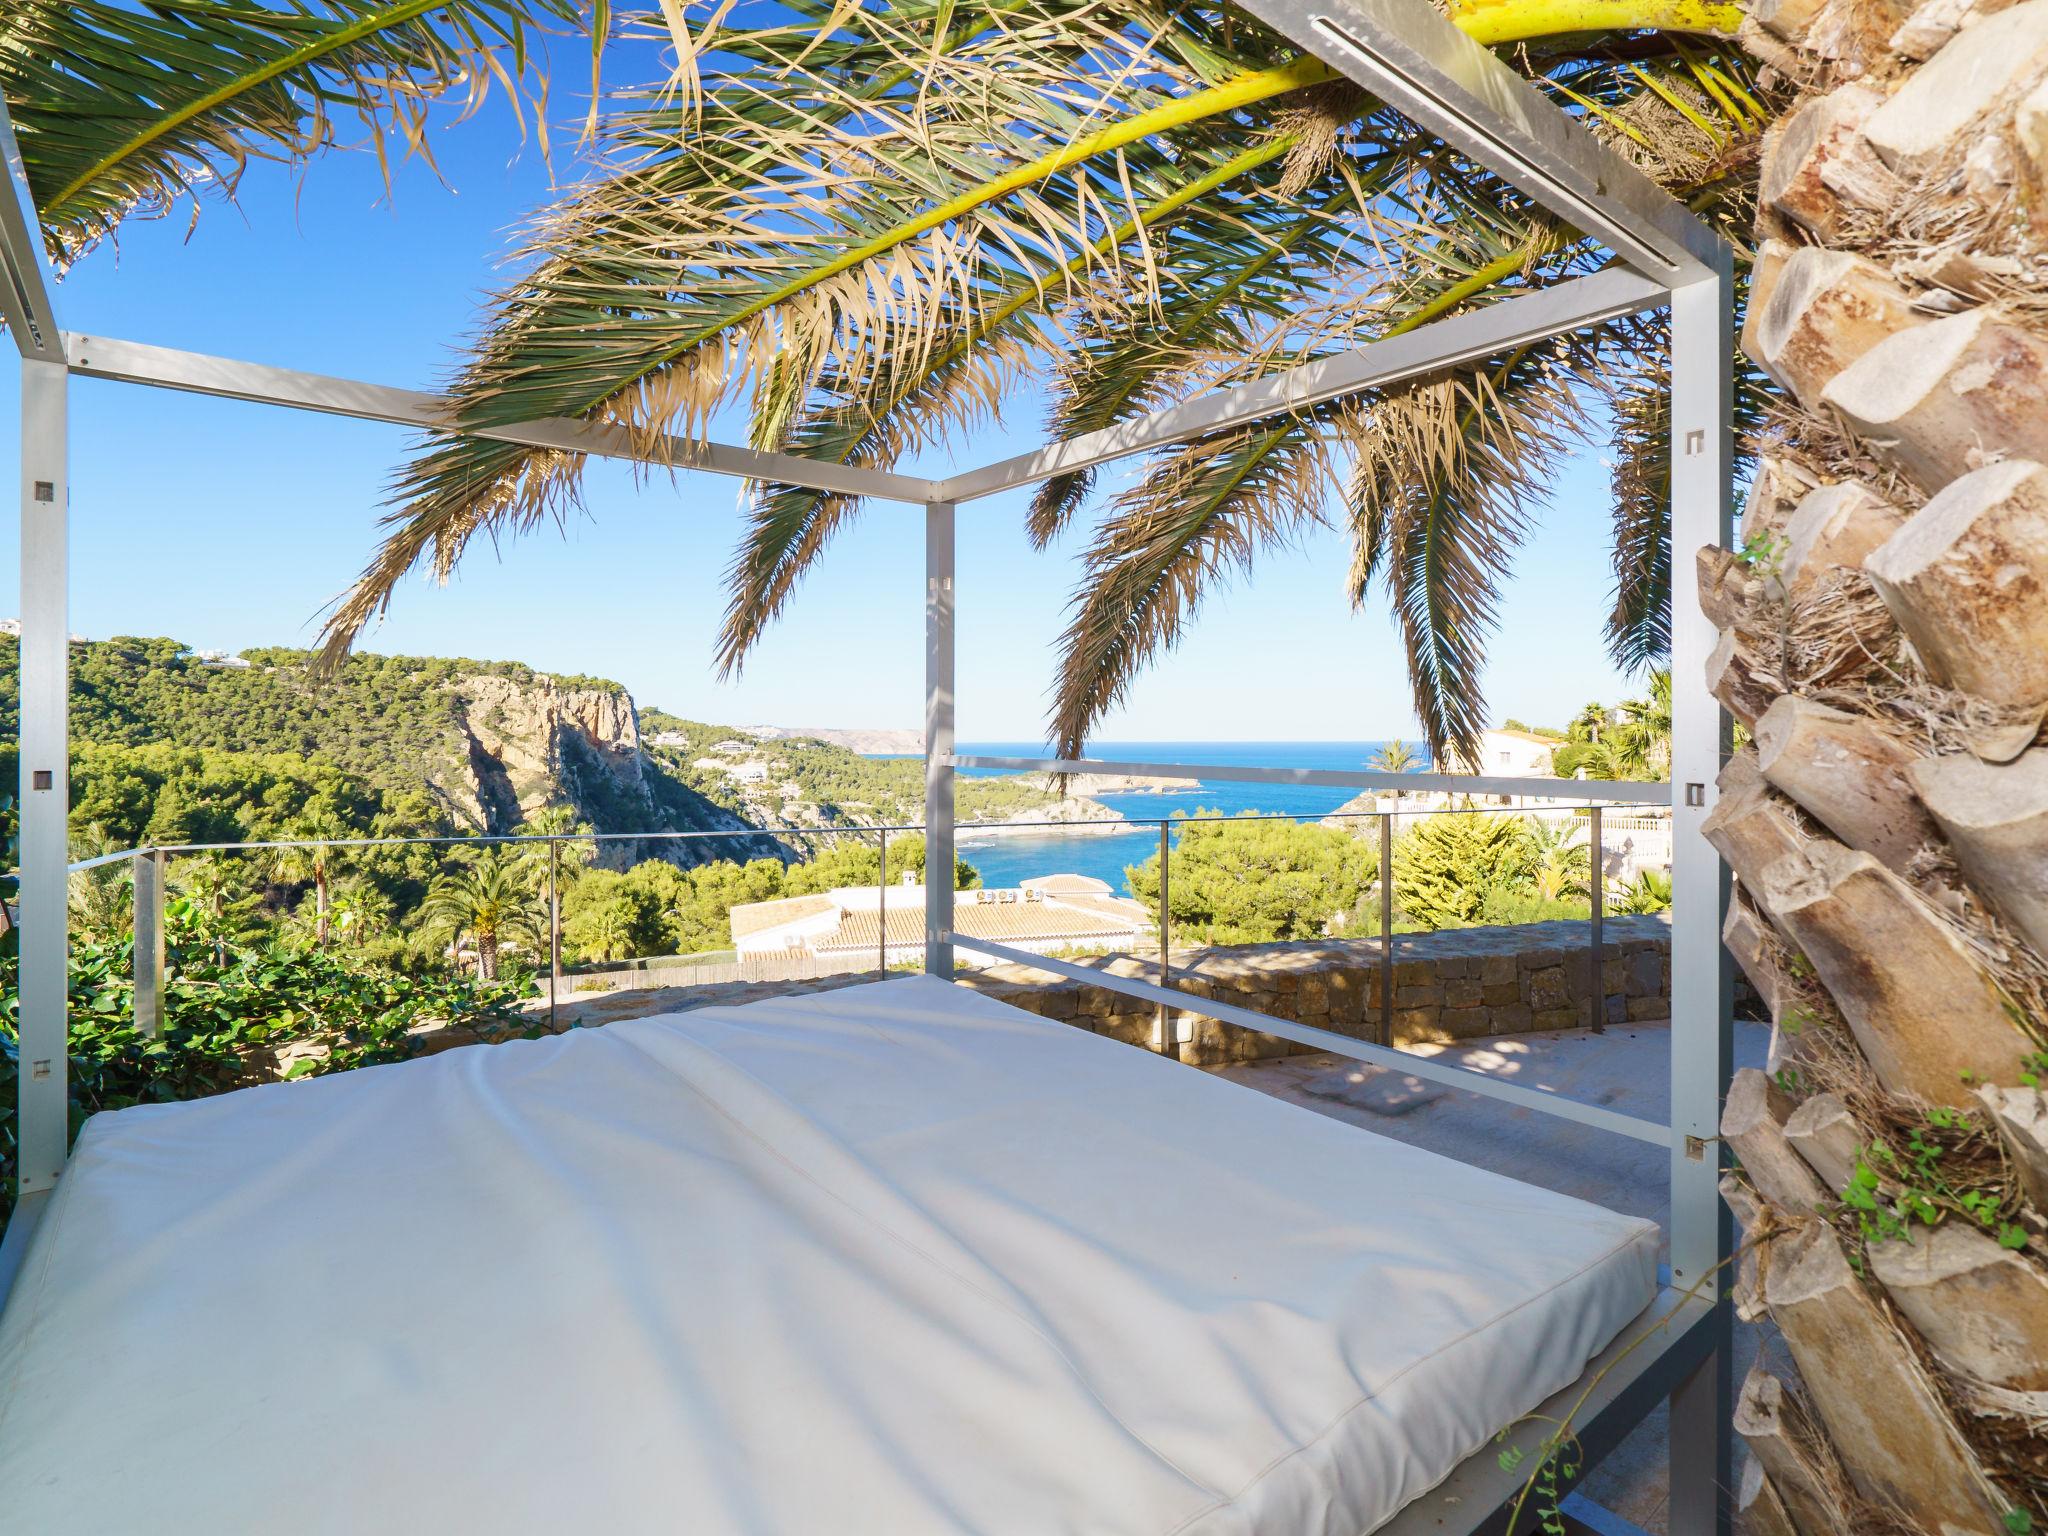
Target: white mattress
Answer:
[[894, 1259]]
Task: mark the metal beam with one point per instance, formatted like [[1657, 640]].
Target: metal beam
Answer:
[[1328, 1040], [1462, 338], [1702, 987], [939, 691], [1600, 791], [134, 362], [25, 302], [45, 792], [1410, 56]]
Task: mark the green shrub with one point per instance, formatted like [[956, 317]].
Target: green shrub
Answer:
[[1445, 866], [1246, 881]]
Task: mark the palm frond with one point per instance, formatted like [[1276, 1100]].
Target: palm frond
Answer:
[[1205, 511], [823, 215], [1639, 628], [1449, 472], [121, 108]]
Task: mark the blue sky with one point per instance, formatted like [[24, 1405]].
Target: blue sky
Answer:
[[231, 525]]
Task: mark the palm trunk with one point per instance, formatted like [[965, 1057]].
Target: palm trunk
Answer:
[[487, 956], [1894, 652]]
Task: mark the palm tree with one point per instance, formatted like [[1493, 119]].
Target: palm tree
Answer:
[[940, 201], [1562, 861], [1394, 757], [102, 898], [1589, 722], [122, 109], [361, 911], [1648, 725], [309, 857], [217, 893], [559, 821], [489, 900]]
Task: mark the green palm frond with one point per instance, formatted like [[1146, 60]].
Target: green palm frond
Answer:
[[957, 387], [1449, 473], [1638, 630], [1140, 589], [876, 220], [1204, 511], [1639, 627], [124, 108], [836, 204]]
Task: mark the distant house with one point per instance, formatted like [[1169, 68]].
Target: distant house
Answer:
[[1049, 913], [745, 773], [1510, 755], [1506, 754]]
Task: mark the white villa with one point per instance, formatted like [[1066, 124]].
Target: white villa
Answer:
[[1045, 914], [1510, 755]]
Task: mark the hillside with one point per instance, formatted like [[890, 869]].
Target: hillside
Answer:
[[487, 743]]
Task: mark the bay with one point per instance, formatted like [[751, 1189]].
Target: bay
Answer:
[[1007, 860]]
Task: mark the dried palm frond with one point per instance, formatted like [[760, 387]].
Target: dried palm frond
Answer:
[[123, 109]]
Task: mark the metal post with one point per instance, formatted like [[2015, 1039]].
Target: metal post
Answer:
[[150, 867], [1166, 1024], [45, 796], [938, 739], [1596, 884], [1702, 993], [1386, 928], [882, 911], [554, 930]]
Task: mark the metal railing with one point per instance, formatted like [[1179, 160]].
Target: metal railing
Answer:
[[151, 869]]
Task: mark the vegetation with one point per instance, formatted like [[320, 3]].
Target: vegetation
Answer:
[[1248, 880], [487, 902], [1243, 880], [658, 909], [1631, 740], [1446, 867]]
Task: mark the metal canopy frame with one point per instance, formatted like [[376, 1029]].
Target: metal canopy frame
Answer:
[[1412, 58]]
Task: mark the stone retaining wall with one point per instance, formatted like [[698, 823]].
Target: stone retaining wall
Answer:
[[1453, 985]]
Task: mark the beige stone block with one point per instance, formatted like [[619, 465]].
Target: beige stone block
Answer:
[[1408, 1019], [1466, 1023], [1463, 994], [1312, 995], [1642, 1010], [1513, 1019], [1560, 1018], [1501, 994], [1094, 1003], [1496, 969], [1548, 989]]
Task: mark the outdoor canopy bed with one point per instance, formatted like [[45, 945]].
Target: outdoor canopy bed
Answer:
[[894, 1258]]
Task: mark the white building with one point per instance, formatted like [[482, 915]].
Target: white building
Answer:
[[1044, 915]]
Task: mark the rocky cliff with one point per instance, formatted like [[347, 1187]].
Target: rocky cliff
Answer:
[[532, 743]]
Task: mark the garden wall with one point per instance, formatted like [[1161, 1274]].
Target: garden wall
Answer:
[[1458, 984]]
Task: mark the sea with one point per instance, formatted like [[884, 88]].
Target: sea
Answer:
[[1007, 860]]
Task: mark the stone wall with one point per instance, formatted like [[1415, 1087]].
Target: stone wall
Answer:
[[1453, 985]]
